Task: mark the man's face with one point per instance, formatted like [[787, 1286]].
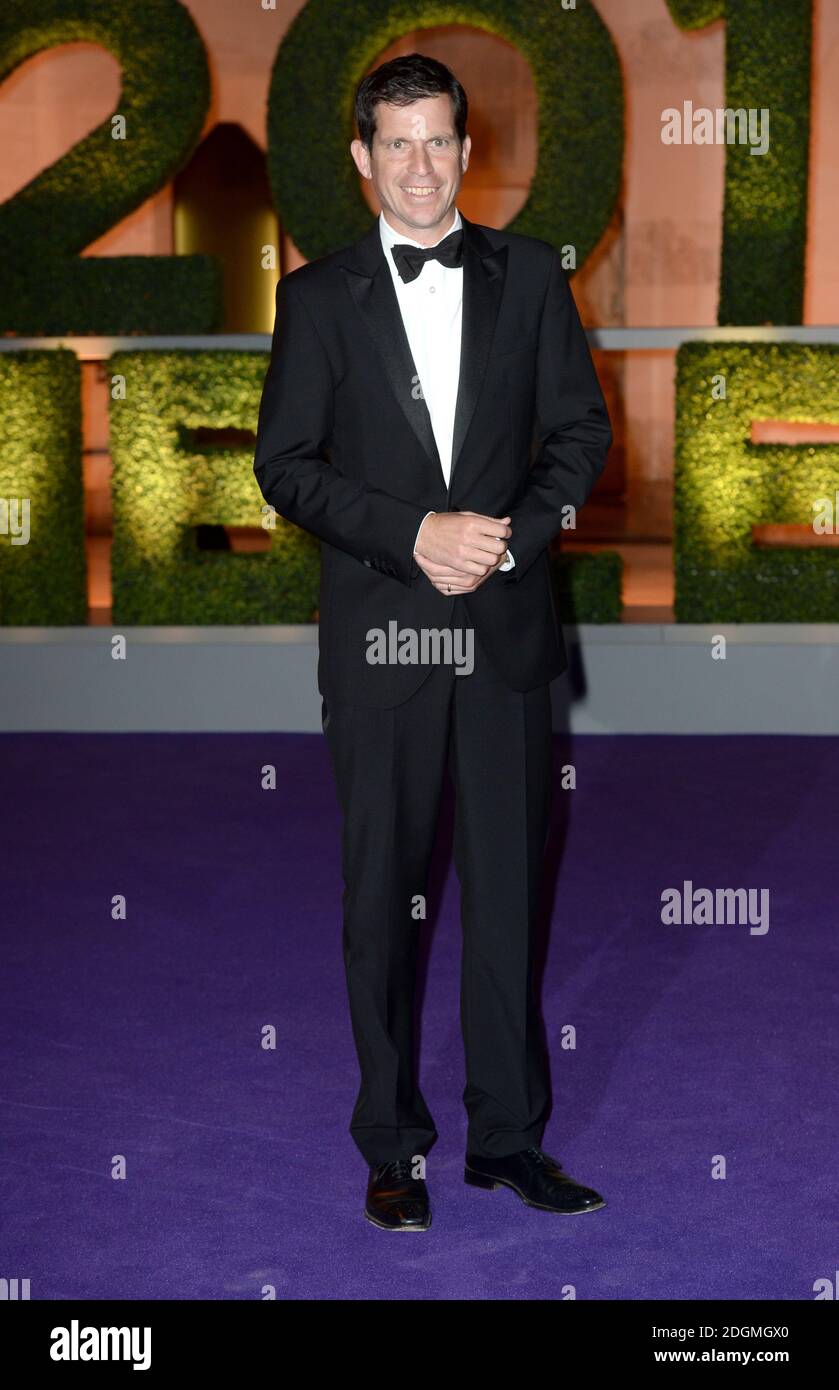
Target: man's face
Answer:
[[416, 165]]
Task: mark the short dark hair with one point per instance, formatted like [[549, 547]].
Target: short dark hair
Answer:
[[402, 81]]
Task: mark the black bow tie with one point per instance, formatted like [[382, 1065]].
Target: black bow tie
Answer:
[[409, 260]]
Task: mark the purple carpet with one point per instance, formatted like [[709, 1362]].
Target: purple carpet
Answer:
[[140, 1040]]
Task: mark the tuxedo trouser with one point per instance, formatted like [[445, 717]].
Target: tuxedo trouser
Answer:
[[389, 767]]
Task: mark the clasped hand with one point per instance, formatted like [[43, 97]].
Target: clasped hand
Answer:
[[458, 551]]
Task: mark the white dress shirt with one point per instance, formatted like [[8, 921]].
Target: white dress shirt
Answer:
[[432, 312]]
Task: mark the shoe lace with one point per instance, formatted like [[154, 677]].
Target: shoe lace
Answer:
[[400, 1169], [540, 1159]]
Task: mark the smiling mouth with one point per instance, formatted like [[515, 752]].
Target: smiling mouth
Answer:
[[419, 191]]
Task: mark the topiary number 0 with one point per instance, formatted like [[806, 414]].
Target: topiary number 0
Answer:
[[329, 47]]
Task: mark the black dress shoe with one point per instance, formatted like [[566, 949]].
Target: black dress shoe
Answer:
[[396, 1201], [538, 1180]]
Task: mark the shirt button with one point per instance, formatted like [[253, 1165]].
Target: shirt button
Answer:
[[432, 289]]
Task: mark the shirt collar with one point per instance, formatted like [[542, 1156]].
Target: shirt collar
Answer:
[[390, 237]]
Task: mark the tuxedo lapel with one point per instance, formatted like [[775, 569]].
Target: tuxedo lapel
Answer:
[[484, 271], [371, 286]]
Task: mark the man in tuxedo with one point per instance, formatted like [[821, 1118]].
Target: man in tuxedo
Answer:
[[431, 413]]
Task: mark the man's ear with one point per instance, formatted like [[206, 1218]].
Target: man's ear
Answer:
[[361, 158], [464, 153]]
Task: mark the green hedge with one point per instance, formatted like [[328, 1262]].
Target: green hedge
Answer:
[[45, 580], [587, 586], [764, 234], [725, 485], [330, 45], [45, 287], [165, 484]]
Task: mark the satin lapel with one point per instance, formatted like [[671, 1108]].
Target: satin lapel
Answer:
[[371, 287], [484, 271]]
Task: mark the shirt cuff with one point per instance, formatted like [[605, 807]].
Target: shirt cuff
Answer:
[[422, 523], [509, 563]]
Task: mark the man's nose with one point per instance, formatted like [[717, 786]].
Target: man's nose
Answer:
[[421, 161]]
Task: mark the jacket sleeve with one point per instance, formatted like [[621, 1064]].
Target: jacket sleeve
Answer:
[[572, 423], [291, 459]]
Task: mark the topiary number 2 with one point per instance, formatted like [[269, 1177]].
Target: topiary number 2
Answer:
[[47, 288]]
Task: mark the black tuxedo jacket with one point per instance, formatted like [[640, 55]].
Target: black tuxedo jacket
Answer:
[[345, 449]]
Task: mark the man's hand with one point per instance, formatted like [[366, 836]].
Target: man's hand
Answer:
[[464, 541], [458, 551], [450, 581]]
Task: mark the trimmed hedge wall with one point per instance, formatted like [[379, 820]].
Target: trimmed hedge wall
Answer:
[[587, 586], [725, 485], [46, 288], [44, 581], [328, 48], [165, 485], [767, 65]]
